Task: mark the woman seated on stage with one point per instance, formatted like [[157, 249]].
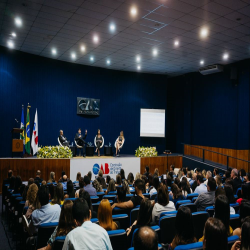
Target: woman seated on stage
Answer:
[[119, 142], [98, 140]]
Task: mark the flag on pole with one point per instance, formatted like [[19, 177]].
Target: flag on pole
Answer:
[[22, 137], [34, 142], [27, 134]]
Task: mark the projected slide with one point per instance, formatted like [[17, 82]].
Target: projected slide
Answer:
[[152, 123]]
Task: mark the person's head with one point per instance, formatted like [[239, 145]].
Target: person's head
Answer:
[[208, 174], [126, 186], [245, 190], [66, 221], [204, 172], [176, 191], [229, 193], [111, 186], [18, 182], [86, 180], [61, 132], [70, 189], [218, 180], [102, 182], [219, 191], [248, 176], [58, 194], [38, 173], [169, 181], [184, 225], [130, 178], [211, 184], [89, 175], [81, 182], [215, 235], [244, 210], [189, 174], [245, 234], [222, 210], [156, 172], [122, 173], [121, 194], [97, 185], [137, 176], [81, 211], [100, 173], [229, 181], [172, 168], [156, 182], [147, 169], [234, 173], [32, 192], [98, 131], [177, 181], [139, 186], [199, 179], [10, 172], [105, 216], [43, 195], [184, 170], [121, 134], [52, 176], [162, 195], [51, 191], [145, 213], [85, 195], [118, 179], [145, 239], [79, 131], [185, 185], [242, 173], [227, 174], [216, 171], [65, 178], [78, 176], [108, 179], [30, 181]]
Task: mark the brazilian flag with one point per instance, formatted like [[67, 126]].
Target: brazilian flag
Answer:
[[27, 134]]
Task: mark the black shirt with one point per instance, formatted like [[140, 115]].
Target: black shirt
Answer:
[[136, 200], [38, 179]]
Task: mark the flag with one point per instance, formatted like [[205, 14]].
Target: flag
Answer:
[[27, 135], [34, 142], [22, 137]]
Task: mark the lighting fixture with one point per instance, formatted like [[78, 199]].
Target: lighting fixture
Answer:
[[53, 51], [138, 59], [133, 11], [18, 21], [155, 52], [10, 44]]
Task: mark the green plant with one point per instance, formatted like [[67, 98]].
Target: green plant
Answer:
[[146, 152], [54, 152]]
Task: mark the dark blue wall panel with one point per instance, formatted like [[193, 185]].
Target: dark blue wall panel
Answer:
[[52, 87]]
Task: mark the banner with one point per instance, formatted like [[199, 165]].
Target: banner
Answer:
[[110, 167], [27, 134], [34, 142], [22, 137]]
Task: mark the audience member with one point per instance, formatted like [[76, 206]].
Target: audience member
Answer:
[[236, 181], [163, 204], [137, 176], [245, 193], [64, 182], [156, 172], [125, 184], [130, 179], [208, 174], [26, 188], [52, 177], [38, 176], [33, 206], [215, 172], [31, 195], [121, 194], [146, 171], [111, 186], [230, 195], [155, 186], [218, 180], [204, 173], [185, 187], [105, 216], [58, 195], [118, 181], [201, 188], [70, 190], [87, 235], [81, 185], [101, 179], [242, 174], [78, 176], [85, 195], [51, 188], [176, 193], [97, 186], [122, 174], [89, 188], [145, 239], [108, 179], [184, 228], [90, 175], [207, 199]]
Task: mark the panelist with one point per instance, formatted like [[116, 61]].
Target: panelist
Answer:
[[98, 140], [79, 138], [119, 142], [63, 139]]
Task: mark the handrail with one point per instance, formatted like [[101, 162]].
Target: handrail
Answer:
[[213, 152]]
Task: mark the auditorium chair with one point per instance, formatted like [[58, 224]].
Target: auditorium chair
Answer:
[[78, 146], [210, 210], [94, 220], [123, 219], [199, 220], [159, 247], [231, 240], [238, 192], [133, 215], [118, 239], [234, 221], [191, 196], [94, 199], [236, 207], [178, 203], [167, 213], [129, 196], [95, 206], [71, 199], [58, 243], [109, 197], [194, 199], [192, 246], [100, 195], [191, 206], [121, 146], [102, 142], [153, 196], [59, 143], [167, 226], [146, 195], [44, 232], [112, 192]]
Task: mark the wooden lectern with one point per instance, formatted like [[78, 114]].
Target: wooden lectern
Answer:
[[17, 144]]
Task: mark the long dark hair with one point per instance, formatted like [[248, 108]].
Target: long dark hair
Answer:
[[130, 178], [185, 186], [58, 194], [245, 188], [156, 182], [145, 213], [122, 173], [176, 191], [244, 210], [229, 193], [215, 235], [118, 179], [70, 189], [245, 234], [85, 195], [66, 221], [162, 195], [222, 210]]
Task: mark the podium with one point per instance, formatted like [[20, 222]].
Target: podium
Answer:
[[17, 144]]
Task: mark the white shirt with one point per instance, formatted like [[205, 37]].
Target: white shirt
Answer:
[[201, 189], [153, 190], [232, 210], [158, 209], [88, 236]]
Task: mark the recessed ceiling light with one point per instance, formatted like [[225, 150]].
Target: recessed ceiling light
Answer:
[[96, 39], [133, 11], [112, 27], [73, 55], [225, 56], [155, 52], [83, 48], [139, 67], [53, 51], [204, 32], [138, 58], [13, 34], [91, 58], [10, 44], [108, 62], [201, 62], [18, 21], [176, 43]]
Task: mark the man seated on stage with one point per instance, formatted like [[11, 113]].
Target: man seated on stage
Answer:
[[135, 200], [79, 138], [63, 139]]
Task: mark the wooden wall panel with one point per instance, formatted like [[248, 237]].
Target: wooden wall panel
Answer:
[[27, 168], [221, 159]]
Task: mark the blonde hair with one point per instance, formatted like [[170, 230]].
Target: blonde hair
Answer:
[[204, 172], [31, 194], [137, 176]]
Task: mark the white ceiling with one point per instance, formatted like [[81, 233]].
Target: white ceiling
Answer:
[[68, 24]]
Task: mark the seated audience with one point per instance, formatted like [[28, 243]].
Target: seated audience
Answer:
[[208, 174], [64, 182], [121, 194], [185, 187], [90, 175], [108, 179], [70, 190], [122, 174], [65, 225], [81, 185], [215, 235], [163, 204], [58, 195], [215, 172], [245, 193], [31, 195], [33, 206], [130, 179], [52, 177], [97, 186], [156, 172], [26, 188], [118, 181], [85, 195], [236, 181], [105, 216], [51, 191], [201, 188], [135, 200], [176, 193], [146, 171], [101, 179], [193, 182], [125, 184], [145, 239], [86, 235], [218, 181], [137, 176], [19, 186], [88, 187], [155, 186], [204, 173], [206, 199], [111, 186], [184, 228], [230, 195], [242, 174], [38, 176]]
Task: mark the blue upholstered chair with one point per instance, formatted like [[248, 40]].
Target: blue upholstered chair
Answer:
[[58, 243], [199, 220], [44, 232], [167, 226], [118, 239], [133, 215]]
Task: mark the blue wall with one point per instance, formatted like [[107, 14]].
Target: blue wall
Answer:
[[52, 87], [209, 110]]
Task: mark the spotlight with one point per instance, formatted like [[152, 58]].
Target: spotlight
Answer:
[[138, 59], [204, 32], [91, 58], [53, 51], [225, 56], [176, 43], [133, 11], [108, 62], [18, 21], [155, 52], [201, 62], [13, 34], [112, 27], [96, 39], [10, 44], [73, 56], [139, 67], [83, 49]]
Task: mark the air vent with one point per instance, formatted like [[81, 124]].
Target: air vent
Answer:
[[211, 69]]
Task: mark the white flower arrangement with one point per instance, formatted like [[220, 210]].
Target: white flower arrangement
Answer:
[[54, 152], [146, 152]]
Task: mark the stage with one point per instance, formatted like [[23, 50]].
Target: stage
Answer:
[[27, 167]]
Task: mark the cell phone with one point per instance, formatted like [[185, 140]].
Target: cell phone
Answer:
[[164, 177]]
